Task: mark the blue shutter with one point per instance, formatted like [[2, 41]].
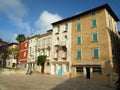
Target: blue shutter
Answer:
[[79, 40], [96, 54]]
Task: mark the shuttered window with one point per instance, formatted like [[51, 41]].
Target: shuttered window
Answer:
[[95, 36], [79, 54], [96, 52], [79, 40]]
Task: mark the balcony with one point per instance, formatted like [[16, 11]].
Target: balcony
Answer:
[[57, 43], [65, 30]]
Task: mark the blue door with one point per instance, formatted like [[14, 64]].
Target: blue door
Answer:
[[60, 72]]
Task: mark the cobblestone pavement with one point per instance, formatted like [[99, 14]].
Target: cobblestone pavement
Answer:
[[49, 82]]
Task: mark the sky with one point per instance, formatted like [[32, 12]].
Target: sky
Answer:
[[35, 16]]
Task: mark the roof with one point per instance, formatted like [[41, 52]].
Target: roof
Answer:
[[48, 33], [106, 6], [31, 37], [3, 41]]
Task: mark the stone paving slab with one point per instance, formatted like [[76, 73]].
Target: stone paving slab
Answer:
[[49, 82]]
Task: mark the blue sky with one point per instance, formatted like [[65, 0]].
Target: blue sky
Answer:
[[34, 16]]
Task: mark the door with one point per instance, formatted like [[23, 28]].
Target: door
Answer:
[[88, 72], [53, 69], [60, 70]]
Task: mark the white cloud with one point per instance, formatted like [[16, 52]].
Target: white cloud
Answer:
[[16, 11], [44, 21], [13, 8]]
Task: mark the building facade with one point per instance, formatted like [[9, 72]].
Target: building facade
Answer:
[[3, 52], [61, 48], [32, 52], [44, 46], [92, 49], [23, 55], [12, 58]]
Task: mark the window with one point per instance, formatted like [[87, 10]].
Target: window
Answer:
[[25, 44], [97, 70], [56, 54], [67, 67], [113, 52], [25, 54], [78, 27], [66, 27], [43, 42], [109, 22], [93, 13], [48, 53], [78, 18], [58, 30], [79, 40], [48, 63], [48, 41], [94, 23], [79, 54], [96, 52], [95, 37], [79, 70]]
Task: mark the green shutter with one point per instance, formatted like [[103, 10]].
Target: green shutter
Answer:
[[79, 54], [78, 27], [93, 13], [94, 23], [96, 54], [78, 18], [95, 37], [79, 40]]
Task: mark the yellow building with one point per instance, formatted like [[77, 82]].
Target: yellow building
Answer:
[[93, 52]]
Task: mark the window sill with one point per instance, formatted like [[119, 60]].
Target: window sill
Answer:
[[78, 58], [93, 26], [94, 41], [95, 57]]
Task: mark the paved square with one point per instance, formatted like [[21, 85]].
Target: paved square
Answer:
[[49, 82]]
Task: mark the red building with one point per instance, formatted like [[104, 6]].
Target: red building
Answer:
[[23, 55]]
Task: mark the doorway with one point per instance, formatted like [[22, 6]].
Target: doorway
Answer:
[[88, 72]]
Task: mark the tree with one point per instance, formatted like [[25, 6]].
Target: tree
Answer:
[[41, 61], [14, 52], [20, 38]]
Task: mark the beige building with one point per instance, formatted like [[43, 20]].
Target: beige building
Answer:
[[11, 60], [93, 52], [61, 48], [32, 52], [44, 43]]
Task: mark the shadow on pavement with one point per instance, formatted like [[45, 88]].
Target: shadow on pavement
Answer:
[[83, 84]]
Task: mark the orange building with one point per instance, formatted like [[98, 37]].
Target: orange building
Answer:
[[23, 55]]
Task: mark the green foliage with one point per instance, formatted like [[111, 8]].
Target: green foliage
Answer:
[[13, 51], [20, 38], [41, 59]]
